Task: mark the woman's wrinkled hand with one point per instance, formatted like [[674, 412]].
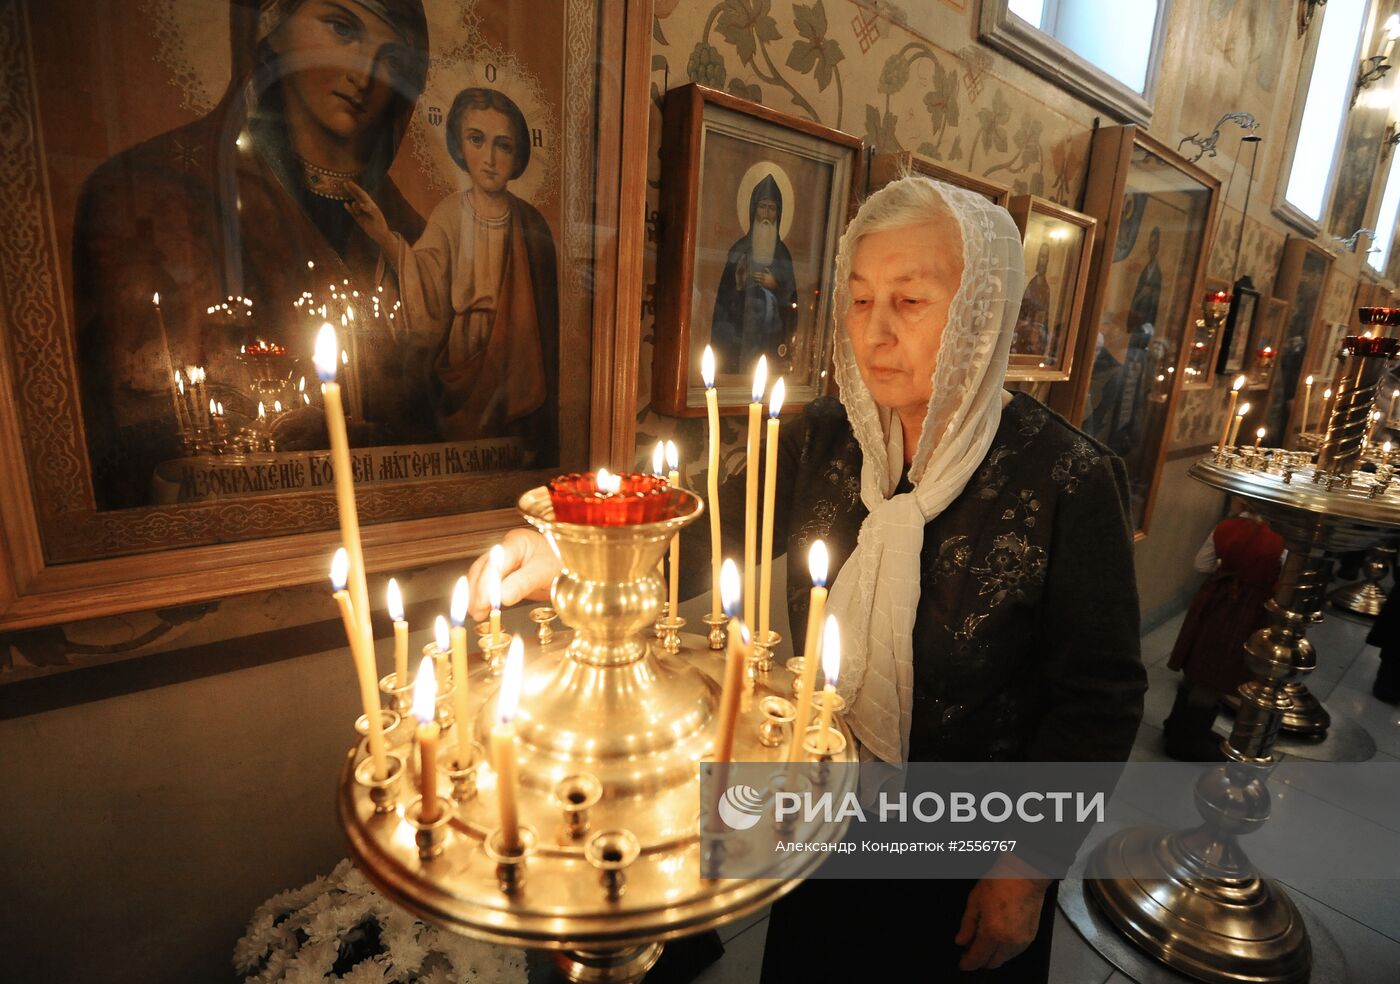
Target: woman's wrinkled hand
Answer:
[[1001, 920], [527, 572]]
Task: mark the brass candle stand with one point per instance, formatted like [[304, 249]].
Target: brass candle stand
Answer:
[[611, 730], [1366, 596], [1193, 899]]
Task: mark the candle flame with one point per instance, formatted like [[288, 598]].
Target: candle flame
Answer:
[[395, 600], [324, 356], [155, 298], [775, 399], [760, 378], [729, 588], [493, 578], [831, 650], [817, 563], [1308, 381], [1386, 447], [1327, 394], [441, 637], [277, 405], [511, 678], [1244, 409], [213, 407], [673, 456], [262, 410], [707, 368], [425, 691], [658, 460], [1260, 433], [179, 382], [340, 569], [1239, 383], [461, 598]]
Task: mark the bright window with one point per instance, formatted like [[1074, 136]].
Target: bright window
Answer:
[[1324, 110], [1114, 37], [1385, 222]]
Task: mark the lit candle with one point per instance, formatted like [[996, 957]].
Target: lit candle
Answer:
[[735, 662], [493, 589], [442, 644], [831, 664], [503, 747], [400, 634], [461, 597], [1394, 395], [816, 611], [1259, 438], [770, 482], [1235, 427], [658, 469], [364, 662], [425, 710], [1385, 453], [1307, 402], [707, 373], [760, 383], [673, 461], [344, 479], [1229, 414], [1326, 409], [171, 372]]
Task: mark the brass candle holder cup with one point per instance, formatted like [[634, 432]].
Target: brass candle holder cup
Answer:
[[493, 648], [670, 632], [383, 793], [763, 649], [430, 836], [463, 774], [400, 694], [823, 747], [510, 868], [718, 843], [719, 631], [791, 779], [576, 795], [795, 666], [443, 710], [389, 723], [542, 617], [778, 713], [611, 852]]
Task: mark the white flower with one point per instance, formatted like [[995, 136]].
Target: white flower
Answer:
[[366, 972], [249, 951]]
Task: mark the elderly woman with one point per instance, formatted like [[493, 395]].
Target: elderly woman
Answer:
[[986, 588]]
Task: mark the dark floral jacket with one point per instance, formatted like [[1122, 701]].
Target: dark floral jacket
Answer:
[[1026, 638]]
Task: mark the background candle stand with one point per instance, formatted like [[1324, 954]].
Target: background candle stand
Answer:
[[611, 733]]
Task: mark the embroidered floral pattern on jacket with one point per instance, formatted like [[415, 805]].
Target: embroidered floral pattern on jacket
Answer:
[[1011, 570], [1026, 506], [1074, 464]]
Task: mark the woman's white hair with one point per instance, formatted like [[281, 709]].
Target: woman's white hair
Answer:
[[910, 200]]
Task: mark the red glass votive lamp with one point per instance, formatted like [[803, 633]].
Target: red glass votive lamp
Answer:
[[1373, 348], [639, 499], [1379, 315]]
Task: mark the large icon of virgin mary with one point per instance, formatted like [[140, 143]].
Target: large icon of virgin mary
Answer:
[[248, 202]]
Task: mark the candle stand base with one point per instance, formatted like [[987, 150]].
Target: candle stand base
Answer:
[[609, 966], [1366, 597], [1303, 716], [719, 631]]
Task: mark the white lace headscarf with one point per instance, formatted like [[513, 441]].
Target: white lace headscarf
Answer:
[[876, 595]]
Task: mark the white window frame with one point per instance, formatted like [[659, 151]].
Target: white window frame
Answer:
[[1045, 55], [1282, 207]]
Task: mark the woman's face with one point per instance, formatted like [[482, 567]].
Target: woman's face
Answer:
[[488, 147], [902, 281], [339, 62]]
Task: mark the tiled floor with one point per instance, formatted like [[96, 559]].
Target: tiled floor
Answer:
[[1363, 917]]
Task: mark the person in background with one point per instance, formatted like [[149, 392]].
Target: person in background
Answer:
[[1386, 634], [1242, 556]]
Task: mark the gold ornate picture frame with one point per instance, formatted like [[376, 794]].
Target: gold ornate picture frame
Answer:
[[259, 516], [1058, 244]]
